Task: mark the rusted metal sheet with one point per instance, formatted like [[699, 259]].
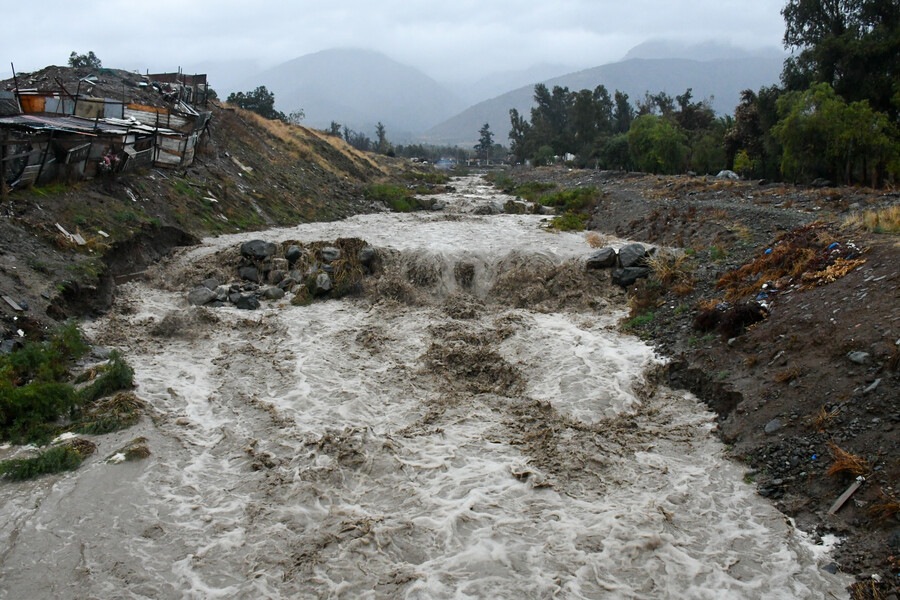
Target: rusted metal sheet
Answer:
[[32, 103], [91, 108]]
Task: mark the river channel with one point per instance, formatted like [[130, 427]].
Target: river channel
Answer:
[[425, 439]]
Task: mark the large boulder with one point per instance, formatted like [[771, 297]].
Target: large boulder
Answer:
[[632, 255], [200, 295], [628, 275], [367, 255], [490, 208], [273, 293], [293, 253], [601, 259], [247, 302], [210, 283], [323, 283], [330, 254], [249, 274], [257, 249]]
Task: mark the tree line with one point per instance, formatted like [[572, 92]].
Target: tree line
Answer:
[[834, 116]]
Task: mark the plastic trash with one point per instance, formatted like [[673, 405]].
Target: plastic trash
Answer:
[[833, 246], [768, 251]]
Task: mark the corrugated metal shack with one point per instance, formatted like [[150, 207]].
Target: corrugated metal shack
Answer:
[[50, 135]]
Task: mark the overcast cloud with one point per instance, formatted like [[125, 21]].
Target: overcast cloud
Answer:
[[449, 40]]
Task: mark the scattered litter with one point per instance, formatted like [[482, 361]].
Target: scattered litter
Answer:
[[243, 167], [103, 233], [72, 237], [20, 333], [15, 306], [872, 387], [64, 437], [116, 458], [846, 495]]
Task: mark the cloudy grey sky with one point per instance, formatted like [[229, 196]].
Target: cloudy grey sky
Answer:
[[448, 39]]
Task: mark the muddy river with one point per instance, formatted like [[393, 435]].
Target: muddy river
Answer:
[[430, 440]]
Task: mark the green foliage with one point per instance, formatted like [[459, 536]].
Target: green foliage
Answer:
[[34, 392], [533, 190], [577, 199], [852, 45], [261, 101], [54, 460], [657, 146], [743, 164], [398, 198], [26, 410], [89, 60], [43, 362], [824, 136], [639, 321], [544, 156], [112, 414], [431, 177], [570, 221], [114, 376], [485, 142]]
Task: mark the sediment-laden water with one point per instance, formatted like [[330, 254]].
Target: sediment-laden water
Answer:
[[457, 443]]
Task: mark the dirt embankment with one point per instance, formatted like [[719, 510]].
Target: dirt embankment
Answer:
[[249, 173], [809, 397]]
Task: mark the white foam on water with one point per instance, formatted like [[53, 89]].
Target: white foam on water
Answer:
[[317, 452]]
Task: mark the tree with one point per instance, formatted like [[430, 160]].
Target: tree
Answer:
[[382, 145], [485, 142], [852, 45], [89, 60], [295, 117], [656, 145], [261, 101], [335, 129], [824, 136], [623, 114]]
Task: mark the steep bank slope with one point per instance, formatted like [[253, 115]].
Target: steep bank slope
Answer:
[[249, 173]]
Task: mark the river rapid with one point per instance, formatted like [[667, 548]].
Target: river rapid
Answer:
[[426, 439]]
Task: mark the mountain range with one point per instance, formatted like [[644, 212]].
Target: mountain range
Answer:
[[359, 88]]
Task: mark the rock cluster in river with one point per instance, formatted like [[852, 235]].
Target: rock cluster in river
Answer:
[[267, 271], [629, 264]]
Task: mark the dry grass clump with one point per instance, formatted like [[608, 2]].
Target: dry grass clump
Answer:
[[787, 375], [846, 463], [823, 419], [805, 253], [884, 220], [885, 508], [595, 240]]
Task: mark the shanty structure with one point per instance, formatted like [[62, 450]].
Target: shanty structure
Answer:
[[48, 134]]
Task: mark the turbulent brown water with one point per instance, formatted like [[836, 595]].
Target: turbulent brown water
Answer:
[[490, 436]]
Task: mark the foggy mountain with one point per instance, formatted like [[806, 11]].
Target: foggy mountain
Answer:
[[501, 82], [721, 79], [358, 88], [703, 51]]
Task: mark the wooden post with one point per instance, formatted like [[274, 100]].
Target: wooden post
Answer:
[[3, 152], [77, 93], [44, 157], [16, 82]]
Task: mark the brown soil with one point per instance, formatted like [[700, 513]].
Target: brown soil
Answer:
[[792, 371]]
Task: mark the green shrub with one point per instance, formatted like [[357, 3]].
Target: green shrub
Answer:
[[25, 411], [572, 200], [117, 375], [570, 221], [533, 190], [54, 460], [639, 321]]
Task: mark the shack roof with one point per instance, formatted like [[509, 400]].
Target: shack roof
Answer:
[[73, 124]]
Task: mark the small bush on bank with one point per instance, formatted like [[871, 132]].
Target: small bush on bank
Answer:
[[55, 460]]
